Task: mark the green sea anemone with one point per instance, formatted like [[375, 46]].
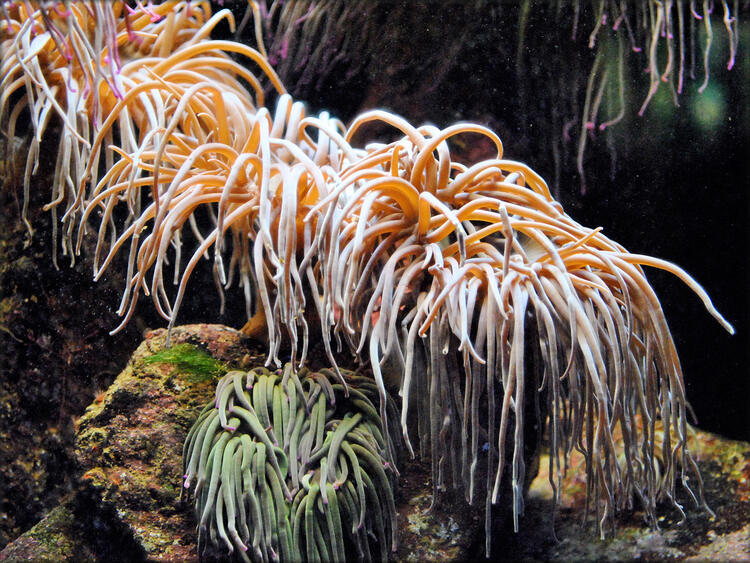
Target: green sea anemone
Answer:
[[286, 466]]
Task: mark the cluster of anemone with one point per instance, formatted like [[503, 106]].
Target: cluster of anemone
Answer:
[[465, 286], [72, 60], [289, 466]]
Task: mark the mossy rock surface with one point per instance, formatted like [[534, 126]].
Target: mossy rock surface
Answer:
[[129, 442], [52, 539]]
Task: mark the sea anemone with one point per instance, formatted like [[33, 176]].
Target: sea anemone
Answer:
[[292, 466], [497, 281], [47, 53], [255, 173], [193, 137], [468, 280], [75, 60]]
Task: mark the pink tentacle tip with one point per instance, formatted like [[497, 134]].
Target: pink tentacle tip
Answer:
[[387, 465], [186, 484], [636, 49], [150, 11], [284, 48], [230, 428], [590, 125]]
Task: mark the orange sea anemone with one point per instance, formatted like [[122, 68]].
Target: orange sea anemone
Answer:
[[476, 276], [202, 143], [72, 60]]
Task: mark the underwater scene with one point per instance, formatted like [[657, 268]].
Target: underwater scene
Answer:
[[374, 280]]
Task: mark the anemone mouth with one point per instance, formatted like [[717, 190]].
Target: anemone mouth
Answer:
[[285, 464]]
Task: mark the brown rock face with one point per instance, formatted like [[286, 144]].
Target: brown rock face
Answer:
[[129, 444]]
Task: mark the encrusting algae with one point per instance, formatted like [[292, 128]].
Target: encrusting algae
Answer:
[[468, 277]]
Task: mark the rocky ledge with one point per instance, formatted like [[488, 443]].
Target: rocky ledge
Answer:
[[128, 504]]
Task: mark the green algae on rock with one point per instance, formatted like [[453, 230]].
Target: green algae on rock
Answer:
[[190, 360], [128, 444]]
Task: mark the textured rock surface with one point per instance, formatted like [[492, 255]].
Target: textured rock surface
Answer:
[[725, 468], [130, 444], [55, 354], [51, 539], [128, 506]]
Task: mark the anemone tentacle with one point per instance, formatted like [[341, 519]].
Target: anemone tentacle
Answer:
[[258, 478]]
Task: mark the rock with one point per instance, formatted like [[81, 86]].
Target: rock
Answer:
[[129, 445], [725, 468], [128, 507], [52, 539]]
